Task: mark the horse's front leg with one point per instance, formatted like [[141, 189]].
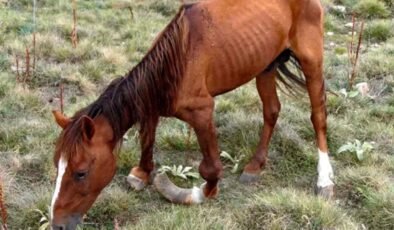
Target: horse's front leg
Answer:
[[199, 115], [201, 119], [139, 176]]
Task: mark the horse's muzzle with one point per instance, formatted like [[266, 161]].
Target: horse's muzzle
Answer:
[[71, 223]]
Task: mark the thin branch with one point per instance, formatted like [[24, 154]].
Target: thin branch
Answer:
[[355, 60], [354, 54]]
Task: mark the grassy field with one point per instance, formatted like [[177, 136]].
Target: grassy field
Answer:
[[113, 36]]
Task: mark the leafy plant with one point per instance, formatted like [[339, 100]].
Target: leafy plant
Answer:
[[360, 149], [350, 94], [179, 171], [234, 160]]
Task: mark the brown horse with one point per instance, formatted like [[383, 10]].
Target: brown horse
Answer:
[[209, 48]]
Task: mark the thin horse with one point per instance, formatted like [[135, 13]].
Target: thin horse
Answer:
[[209, 48]]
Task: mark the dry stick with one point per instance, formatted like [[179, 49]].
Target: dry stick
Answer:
[[61, 97], [27, 69], [354, 69], [2, 207], [74, 36]]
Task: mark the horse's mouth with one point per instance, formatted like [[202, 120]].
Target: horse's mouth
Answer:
[[71, 224]]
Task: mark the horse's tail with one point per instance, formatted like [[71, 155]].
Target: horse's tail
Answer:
[[290, 77]]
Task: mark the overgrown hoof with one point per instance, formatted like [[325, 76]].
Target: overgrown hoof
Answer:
[[210, 194], [176, 194], [325, 192], [249, 178], [135, 182]]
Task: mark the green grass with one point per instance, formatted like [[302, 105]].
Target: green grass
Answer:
[[112, 41], [379, 31], [292, 209], [371, 9]]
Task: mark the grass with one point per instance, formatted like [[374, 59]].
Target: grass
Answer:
[[379, 31], [371, 9], [112, 41], [292, 209]]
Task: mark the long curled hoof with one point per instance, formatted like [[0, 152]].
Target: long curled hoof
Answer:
[[135, 182], [176, 194], [249, 178], [325, 192], [138, 178]]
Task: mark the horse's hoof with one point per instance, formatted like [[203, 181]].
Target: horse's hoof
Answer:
[[325, 192], [248, 178], [135, 182]]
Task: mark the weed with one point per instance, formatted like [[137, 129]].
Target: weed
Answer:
[[179, 171], [360, 149], [233, 160]]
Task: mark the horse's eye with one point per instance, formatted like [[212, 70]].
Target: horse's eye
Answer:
[[80, 175]]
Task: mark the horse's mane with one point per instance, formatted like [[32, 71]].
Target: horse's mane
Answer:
[[145, 93]]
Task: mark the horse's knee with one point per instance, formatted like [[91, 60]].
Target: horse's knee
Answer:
[[211, 170]]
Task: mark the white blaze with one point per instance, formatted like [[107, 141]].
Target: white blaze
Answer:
[[61, 169], [325, 171]]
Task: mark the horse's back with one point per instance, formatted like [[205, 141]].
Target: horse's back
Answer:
[[234, 40]]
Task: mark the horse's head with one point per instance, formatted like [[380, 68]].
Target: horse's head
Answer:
[[85, 165]]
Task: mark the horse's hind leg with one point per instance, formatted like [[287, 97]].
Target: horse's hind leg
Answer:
[[307, 45], [266, 87]]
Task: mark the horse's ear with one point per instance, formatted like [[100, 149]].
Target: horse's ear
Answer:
[[87, 126], [61, 120]]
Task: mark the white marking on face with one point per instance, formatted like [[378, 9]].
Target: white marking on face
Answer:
[[61, 169], [325, 171]]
